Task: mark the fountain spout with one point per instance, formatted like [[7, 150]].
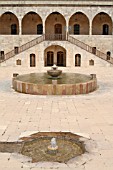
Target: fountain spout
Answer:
[[54, 67], [53, 148], [53, 143], [54, 72]]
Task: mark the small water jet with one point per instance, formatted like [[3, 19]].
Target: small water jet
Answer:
[[53, 148]]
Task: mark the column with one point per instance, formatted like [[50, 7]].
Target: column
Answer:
[[90, 28], [20, 26], [43, 26], [55, 55], [67, 28], [112, 28]]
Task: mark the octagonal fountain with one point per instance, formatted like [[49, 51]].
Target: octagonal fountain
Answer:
[[47, 146], [54, 82]]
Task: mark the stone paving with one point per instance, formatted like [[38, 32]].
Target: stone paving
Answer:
[[90, 115]]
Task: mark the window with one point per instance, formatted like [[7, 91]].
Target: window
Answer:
[[94, 50], [77, 60], [76, 29], [108, 55], [18, 62], [16, 50], [39, 29], [60, 58], [58, 29], [13, 29], [105, 29], [91, 62], [32, 60], [50, 58], [1, 55]]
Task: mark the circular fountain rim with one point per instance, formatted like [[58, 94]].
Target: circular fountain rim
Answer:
[[54, 88]]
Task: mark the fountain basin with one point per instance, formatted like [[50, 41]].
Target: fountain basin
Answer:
[[54, 73], [35, 147], [41, 84]]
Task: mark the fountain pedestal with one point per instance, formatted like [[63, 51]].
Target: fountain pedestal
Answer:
[[52, 150]]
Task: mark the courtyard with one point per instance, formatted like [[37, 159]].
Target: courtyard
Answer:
[[88, 115]]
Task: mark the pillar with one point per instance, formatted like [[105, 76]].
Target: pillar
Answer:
[[67, 28], [90, 28], [20, 26]]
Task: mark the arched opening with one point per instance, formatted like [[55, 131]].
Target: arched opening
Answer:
[[32, 60], [79, 24], [55, 25], [91, 62], [55, 54], [32, 24], [105, 29], [102, 24], [108, 55], [9, 24], [78, 60]]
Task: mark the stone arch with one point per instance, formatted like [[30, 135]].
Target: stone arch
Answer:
[[55, 54], [81, 20], [55, 24], [32, 24], [99, 22], [9, 24]]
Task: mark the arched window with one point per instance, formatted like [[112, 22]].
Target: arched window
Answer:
[[108, 55], [39, 29], [32, 60], [105, 29], [50, 58], [77, 60], [13, 29], [76, 29], [61, 60]]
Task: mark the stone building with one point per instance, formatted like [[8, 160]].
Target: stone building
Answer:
[[69, 33]]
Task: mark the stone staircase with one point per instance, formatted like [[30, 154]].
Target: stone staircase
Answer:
[[22, 48], [57, 38], [90, 49]]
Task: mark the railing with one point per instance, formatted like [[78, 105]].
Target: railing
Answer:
[[22, 48], [90, 49], [53, 37], [57, 37]]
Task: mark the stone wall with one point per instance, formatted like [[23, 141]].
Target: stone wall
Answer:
[[71, 51]]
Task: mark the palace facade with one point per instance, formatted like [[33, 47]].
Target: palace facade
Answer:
[[36, 33]]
